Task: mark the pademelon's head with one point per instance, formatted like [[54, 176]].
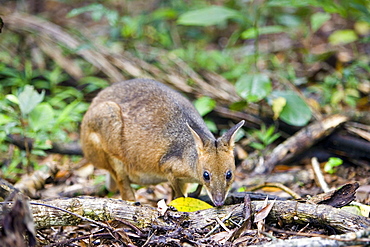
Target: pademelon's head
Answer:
[[216, 164]]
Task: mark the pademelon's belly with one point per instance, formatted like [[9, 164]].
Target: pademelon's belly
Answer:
[[142, 155], [139, 170], [143, 178]]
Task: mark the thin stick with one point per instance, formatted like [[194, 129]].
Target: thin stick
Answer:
[[320, 177]]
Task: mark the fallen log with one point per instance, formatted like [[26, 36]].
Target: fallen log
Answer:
[[47, 213]]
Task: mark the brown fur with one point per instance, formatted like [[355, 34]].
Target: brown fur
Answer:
[[143, 132]]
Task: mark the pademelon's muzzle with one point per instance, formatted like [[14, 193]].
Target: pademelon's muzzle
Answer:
[[218, 199]]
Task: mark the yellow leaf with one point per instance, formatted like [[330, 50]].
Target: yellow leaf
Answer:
[[362, 28], [188, 204], [352, 209], [365, 210], [277, 106], [358, 208]]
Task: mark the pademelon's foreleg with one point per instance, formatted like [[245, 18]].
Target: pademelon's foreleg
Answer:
[[178, 187], [196, 193]]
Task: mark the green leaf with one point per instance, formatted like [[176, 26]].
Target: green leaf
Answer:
[[257, 145], [112, 17], [352, 92], [38, 152], [272, 138], [342, 37], [333, 7], [209, 16], [295, 112], [91, 7], [97, 12], [238, 106], [337, 97], [331, 164], [12, 98], [289, 3], [253, 87], [164, 14], [211, 125], [65, 115], [361, 7], [241, 189], [204, 105], [270, 131], [42, 144], [4, 119], [29, 98], [252, 33], [41, 116], [318, 19]]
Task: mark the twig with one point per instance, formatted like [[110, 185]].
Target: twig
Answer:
[[318, 174], [276, 185], [217, 226], [222, 225]]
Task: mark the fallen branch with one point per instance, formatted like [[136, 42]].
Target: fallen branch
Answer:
[[72, 148], [101, 209], [298, 143]]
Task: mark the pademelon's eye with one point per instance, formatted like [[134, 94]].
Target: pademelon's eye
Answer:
[[229, 175], [206, 176]]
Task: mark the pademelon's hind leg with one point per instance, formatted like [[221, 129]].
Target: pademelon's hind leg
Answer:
[[110, 182], [121, 181], [102, 130]]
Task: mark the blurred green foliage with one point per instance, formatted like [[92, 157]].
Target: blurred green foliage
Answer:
[[188, 29], [28, 111]]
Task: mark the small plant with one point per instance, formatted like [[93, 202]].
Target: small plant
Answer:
[[205, 105], [341, 89], [26, 113], [330, 166], [263, 137], [32, 118]]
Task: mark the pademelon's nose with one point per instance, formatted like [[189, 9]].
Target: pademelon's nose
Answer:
[[218, 199]]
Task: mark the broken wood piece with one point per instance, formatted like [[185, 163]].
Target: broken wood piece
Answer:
[[353, 147], [16, 222], [30, 184], [7, 189], [299, 142], [337, 198], [288, 178]]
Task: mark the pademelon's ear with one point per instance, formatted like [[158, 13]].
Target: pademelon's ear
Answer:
[[198, 141], [229, 137]]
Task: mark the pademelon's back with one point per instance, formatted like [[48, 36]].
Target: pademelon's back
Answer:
[[151, 107]]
